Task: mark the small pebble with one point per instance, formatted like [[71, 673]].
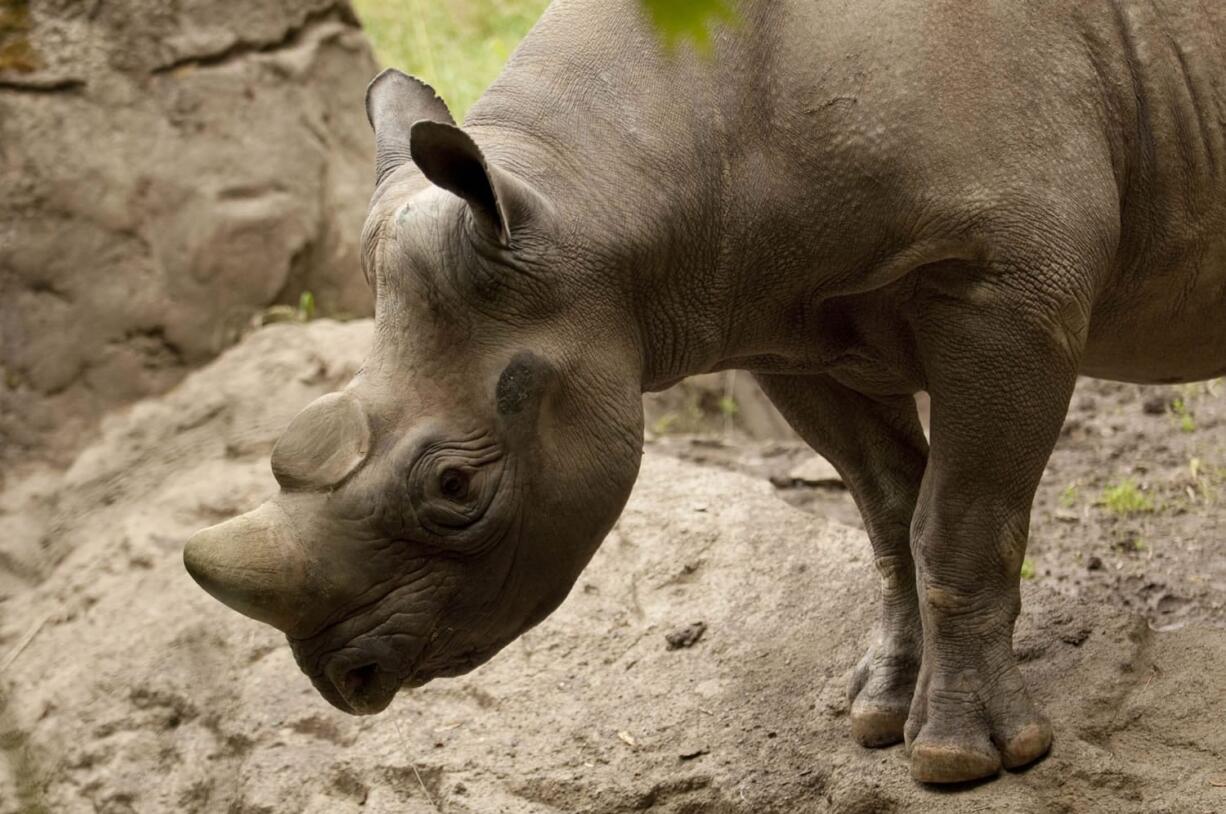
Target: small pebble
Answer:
[[686, 636], [1154, 405]]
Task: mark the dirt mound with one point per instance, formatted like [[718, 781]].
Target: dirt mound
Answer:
[[126, 688], [169, 169]]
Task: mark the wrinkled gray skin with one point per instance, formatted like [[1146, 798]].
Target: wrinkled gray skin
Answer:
[[855, 201]]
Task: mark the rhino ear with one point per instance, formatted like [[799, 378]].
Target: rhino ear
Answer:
[[452, 160], [394, 102]]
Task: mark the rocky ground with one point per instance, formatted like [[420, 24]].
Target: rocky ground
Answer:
[[123, 687], [1131, 510], [169, 170]]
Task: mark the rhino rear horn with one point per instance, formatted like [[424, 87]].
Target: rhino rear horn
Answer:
[[323, 445], [396, 101]]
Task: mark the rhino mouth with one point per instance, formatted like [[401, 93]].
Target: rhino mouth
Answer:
[[365, 686], [360, 677], [361, 674]]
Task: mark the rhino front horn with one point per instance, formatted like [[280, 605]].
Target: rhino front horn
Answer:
[[253, 565]]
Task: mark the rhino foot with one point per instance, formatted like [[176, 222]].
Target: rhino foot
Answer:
[[880, 692], [965, 725]]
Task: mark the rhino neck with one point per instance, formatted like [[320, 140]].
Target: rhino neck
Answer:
[[635, 147], [649, 229], [724, 200]]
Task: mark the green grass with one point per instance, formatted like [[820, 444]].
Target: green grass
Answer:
[[1068, 497], [458, 46], [1183, 415], [1126, 498], [306, 306]]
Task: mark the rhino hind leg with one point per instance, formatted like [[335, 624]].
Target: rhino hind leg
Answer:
[[883, 682], [879, 448], [1001, 363]]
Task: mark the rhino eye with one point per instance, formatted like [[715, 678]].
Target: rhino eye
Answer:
[[450, 483], [453, 484]]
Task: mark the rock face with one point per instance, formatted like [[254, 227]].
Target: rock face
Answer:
[[168, 170], [125, 688]]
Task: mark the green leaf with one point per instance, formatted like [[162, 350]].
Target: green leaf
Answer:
[[306, 306], [677, 20]]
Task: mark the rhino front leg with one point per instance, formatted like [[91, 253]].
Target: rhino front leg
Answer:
[[1001, 363], [879, 448]]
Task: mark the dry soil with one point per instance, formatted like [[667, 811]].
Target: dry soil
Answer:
[[123, 687]]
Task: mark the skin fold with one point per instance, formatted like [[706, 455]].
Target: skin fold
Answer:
[[854, 201]]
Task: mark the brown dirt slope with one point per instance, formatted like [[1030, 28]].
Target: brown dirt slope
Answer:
[[125, 688]]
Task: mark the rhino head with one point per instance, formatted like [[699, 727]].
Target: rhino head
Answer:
[[446, 500]]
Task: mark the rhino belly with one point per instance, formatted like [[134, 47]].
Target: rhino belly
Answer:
[[1163, 322]]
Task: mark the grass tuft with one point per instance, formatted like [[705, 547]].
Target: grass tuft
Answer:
[[1070, 495], [306, 306], [1183, 415], [1126, 498]]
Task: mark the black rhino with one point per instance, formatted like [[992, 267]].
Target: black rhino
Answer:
[[854, 201]]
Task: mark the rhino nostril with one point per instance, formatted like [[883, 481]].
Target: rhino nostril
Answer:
[[356, 683], [361, 690]]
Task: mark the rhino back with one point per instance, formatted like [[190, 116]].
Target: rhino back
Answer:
[[823, 138]]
